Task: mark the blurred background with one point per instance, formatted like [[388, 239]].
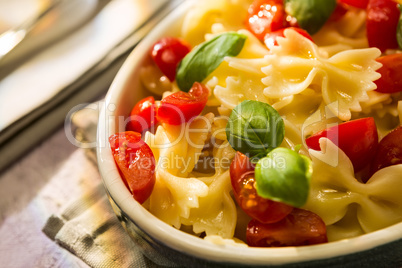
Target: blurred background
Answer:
[[55, 54]]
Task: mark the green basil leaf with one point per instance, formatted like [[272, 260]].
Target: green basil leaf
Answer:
[[284, 176], [206, 57], [311, 15], [255, 128], [399, 28]]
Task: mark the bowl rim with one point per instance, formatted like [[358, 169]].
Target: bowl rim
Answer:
[[179, 240]]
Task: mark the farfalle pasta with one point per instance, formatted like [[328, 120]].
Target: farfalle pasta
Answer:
[[343, 79], [335, 191], [285, 92]]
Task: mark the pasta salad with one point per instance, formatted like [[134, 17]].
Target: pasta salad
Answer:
[[271, 122]]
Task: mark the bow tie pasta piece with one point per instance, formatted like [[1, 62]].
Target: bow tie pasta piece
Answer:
[[335, 192], [216, 214], [185, 191], [189, 201], [295, 64], [178, 148], [173, 197], [239, 78]]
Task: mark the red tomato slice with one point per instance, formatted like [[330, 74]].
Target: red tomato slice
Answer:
[[270, 39], [265, 16], [355, 3], [261, 209], [181, 107], [391, 78], [389, 151], [136, 163], [381, 24], [167, 53], [358, 139], [143, 115], [299, 228]]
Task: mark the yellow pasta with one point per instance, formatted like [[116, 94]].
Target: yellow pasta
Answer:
[[343, 79], [335, 191]]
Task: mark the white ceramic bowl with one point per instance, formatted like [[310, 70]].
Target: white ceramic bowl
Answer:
[[166, 245]]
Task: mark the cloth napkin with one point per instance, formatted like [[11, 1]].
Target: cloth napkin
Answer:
[[88, 227]]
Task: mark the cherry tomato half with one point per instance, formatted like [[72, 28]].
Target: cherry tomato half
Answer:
[[261, 209], [143, 115], [299, 228], [270, 39], [265, 16], [358, 139], [180, 107], [381, 24], [167, 53], [389, 150], [136, 163], [391, 78], [355, 3]]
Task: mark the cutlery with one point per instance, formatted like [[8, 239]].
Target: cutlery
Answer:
[[11, 38]]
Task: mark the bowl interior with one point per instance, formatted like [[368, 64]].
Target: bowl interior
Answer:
[[125, 91]]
